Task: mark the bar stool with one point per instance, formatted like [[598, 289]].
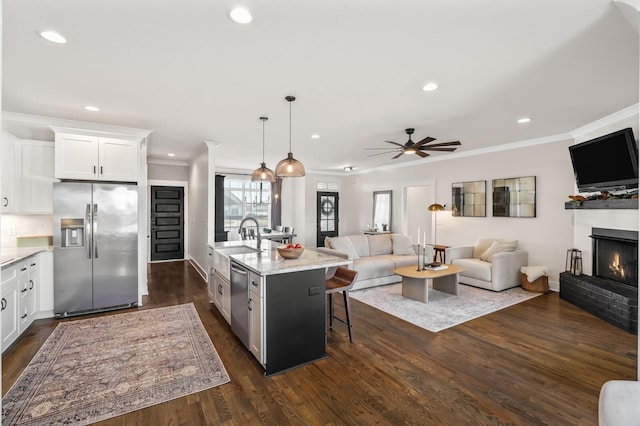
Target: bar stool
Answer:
[[341, 282]]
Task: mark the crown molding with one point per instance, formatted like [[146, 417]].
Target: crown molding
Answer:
[[627, 113], [167, 162]]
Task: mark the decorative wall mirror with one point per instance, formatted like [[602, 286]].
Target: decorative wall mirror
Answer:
[[514, 197], [382, 210], [469, 198]]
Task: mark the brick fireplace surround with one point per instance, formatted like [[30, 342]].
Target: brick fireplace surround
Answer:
[[607, 295]]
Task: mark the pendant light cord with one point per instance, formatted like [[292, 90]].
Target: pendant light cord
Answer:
[[263, 120], [290, 125]]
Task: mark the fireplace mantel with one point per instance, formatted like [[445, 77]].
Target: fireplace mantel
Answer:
[[615, 203]]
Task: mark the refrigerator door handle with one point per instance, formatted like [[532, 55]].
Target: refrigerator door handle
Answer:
[[95, 231], [87, 229]]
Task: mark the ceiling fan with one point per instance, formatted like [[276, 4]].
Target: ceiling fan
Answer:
[[418, 148]]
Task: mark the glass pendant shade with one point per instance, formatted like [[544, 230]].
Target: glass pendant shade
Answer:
[[290, 167], [263, 173]]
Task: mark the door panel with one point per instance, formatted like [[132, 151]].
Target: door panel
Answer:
[[167, 222], [115, 245], [72, 261], [327, 216]]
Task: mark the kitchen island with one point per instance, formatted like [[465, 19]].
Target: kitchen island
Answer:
[[275, 306]]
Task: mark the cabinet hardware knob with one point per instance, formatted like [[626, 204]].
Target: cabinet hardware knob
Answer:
[[6, 202], [250, 307], [4, 304], [94, 170], [23, 269], [24, 290], [24, 316], [31, 286], [101, 171]]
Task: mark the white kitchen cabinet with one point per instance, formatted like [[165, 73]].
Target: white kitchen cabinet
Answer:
[[20, 297], [7, 151], [95, 158], [222, 295], [37, 177], [256, 317], [9, 317]]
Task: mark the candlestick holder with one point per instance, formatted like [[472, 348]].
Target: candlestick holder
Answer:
[[419, 263]]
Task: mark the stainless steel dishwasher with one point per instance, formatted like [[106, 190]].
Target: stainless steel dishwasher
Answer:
[[240, 302]]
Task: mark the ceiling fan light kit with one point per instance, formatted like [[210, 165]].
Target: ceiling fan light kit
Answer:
[[418, 148], [290, 167], [263, 173]]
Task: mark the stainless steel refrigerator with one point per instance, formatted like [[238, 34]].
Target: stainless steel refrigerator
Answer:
[[95, 255]]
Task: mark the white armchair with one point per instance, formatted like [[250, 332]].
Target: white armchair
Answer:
[[492, 264]]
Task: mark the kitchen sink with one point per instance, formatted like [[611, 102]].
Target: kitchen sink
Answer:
[[221, 260]]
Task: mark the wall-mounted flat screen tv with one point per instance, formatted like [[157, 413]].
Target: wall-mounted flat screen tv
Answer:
[[609, 162]]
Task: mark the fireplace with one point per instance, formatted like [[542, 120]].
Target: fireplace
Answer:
[[615, 255], [612, 292]]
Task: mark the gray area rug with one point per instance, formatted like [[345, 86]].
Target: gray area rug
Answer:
[[443, 310], [93, 369]]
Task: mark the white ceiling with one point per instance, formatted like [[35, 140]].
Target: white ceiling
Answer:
[[186, 71]]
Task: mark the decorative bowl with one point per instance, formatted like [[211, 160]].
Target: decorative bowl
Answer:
[[290, 253]]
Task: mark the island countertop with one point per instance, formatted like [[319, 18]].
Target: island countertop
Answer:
[[269, 261]]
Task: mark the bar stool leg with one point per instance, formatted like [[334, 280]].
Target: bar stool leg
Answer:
[[347, 308]]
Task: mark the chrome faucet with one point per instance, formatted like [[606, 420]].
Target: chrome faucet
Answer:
[[257, 229]]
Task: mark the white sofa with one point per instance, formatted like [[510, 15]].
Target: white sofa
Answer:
[[374, 256], [491, 263]]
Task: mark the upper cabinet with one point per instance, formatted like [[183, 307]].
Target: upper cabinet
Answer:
[[95, 158], [7, 157]]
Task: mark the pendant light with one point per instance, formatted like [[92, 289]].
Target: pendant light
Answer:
[[263, 174], [290, 167]]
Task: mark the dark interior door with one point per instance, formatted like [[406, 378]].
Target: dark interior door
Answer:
[[327, 216], [167, 222]]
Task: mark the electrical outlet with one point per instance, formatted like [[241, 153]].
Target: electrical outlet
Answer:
[[313, 291], [12, 230]]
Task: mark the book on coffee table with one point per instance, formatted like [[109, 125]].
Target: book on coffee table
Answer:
[[435, 266]]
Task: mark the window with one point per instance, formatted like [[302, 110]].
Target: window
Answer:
[[244, 198]]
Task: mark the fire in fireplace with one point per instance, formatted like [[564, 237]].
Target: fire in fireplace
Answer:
[[615, 255]]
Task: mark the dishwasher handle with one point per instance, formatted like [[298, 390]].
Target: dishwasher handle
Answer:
[[239, 271]]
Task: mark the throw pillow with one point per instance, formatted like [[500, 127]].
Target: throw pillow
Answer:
[[481, 245], [498, 247], [345, 245], [380, 244], [402, 245]]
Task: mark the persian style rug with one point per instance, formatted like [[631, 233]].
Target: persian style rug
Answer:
[[93, 369], [443, 310]]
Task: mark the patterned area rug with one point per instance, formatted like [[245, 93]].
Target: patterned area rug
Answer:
[[443, 310], [93, 369]]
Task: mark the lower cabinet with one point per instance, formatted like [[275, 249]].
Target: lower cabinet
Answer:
[[256, 317], [19, 293], [221, 290]]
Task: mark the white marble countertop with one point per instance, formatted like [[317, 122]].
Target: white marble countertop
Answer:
[[9, 256], [269, 261]]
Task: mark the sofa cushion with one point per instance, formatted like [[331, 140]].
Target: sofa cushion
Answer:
[[361, 243], [474, 268], [380, 244], [345, 245], [498, 246], [373, 267], [481, 245], [401, 261], [402, 245]]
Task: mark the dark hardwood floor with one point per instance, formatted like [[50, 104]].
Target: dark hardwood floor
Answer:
[[539, 362]]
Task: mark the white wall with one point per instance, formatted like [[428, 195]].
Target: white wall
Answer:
[[199, 208], [24, 225], [546, 237], [168, 172]]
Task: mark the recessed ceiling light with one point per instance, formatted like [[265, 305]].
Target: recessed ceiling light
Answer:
[[348, 168], [429, 87], [171, 154], [315, 136], [524, 120], [91, 108], [240, 15], [53, 37]]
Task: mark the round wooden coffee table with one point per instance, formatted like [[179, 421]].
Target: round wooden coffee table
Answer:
[[415, 284]]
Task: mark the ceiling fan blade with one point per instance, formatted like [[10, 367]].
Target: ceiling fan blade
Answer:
[[425, 140], [429, 148], [386, 149], [400, 154], [422, 154], [437, 145], [381, 153], [395, 143]]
